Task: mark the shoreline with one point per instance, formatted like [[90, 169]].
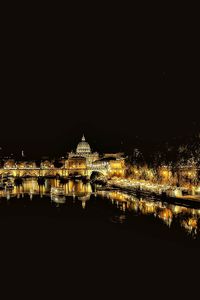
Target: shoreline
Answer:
[[163, 197]]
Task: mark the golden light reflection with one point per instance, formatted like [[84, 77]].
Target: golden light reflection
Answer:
[[166, 215], [166, 212], [190, 225], [187, 217]]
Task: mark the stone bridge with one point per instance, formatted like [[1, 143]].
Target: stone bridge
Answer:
[[63, 172]]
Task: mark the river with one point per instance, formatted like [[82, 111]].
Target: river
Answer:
[[115, 210]]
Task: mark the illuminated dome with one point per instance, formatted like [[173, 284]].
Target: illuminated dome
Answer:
[[83, 147]]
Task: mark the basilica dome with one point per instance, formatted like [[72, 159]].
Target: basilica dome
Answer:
[[83, 147]]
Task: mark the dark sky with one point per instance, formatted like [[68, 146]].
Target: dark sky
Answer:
[[114, 83]]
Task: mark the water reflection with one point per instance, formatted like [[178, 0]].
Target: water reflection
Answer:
[[58, 199], [31, 187], [118, 219], [187, 218]]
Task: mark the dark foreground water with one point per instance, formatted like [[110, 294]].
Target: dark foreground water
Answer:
[[95, 238], [87, 211]]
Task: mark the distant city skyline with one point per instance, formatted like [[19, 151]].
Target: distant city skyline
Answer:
[[57, 147]]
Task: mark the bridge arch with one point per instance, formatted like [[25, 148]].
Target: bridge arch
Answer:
[[97, 175], [28, 173], [7, 173]]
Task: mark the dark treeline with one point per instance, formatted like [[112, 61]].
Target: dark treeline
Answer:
[[175, 151]]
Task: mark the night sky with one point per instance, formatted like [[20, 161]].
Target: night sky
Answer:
[[118, 75], [115, 84]]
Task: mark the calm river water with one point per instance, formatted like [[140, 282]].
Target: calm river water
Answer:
[[88, 206], [92, 237]]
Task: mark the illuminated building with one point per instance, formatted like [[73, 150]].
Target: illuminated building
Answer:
[[84, 158], [46, 164], [9, 164], [83, 150], [82, 162]]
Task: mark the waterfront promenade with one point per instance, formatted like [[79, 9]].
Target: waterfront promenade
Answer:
[[156, 189]]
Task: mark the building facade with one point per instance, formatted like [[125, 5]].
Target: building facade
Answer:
[[82, 162], [84, 159], [83, 150]]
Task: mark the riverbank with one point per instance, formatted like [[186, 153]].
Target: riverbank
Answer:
[[162, 192]]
